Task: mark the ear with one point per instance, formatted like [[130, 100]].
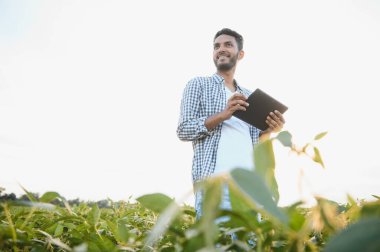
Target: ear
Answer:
[[241, 54]]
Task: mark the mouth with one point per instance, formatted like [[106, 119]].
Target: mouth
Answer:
[[222, 57]]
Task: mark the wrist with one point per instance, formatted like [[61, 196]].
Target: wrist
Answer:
[[265, 132], [265, 135], [222, 116]]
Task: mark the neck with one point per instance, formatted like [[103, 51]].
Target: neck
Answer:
[[228, 77]]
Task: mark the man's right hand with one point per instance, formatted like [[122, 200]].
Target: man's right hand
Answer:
[[236, 102]]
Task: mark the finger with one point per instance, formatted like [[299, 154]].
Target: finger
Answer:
[[275, 117], [271, 122], [275, 125], [279, 115], [240, 102], [238, 96], [239, 107], [270, 125], [280, 125], [243, 103]]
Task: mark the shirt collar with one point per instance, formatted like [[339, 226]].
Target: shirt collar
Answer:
[[219, 79]]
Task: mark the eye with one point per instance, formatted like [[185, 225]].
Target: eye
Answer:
[[216, 46], [229, 44]]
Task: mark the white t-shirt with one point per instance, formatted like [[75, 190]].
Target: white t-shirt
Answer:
[[235, 148]]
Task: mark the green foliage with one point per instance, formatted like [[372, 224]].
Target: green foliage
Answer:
[[361, 236], [251, 184], [36, 227], [157, 202], [285, 138], [265, 166], [157, 223]]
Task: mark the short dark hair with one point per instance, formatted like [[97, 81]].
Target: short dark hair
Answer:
[[237, 36]]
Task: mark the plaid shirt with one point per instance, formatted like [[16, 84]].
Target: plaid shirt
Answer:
[[203, 97]]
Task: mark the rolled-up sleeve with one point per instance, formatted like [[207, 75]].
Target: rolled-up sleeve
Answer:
[[255, 134], [191, 124]]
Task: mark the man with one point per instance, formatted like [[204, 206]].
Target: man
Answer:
[[220, 141]]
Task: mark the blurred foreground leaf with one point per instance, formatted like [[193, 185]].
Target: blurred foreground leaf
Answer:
[[320, 135], [265, 165], [317, 157], [361, 236], [252, 184], [285, 138]]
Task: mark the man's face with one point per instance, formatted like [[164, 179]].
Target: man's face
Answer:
[[226, 52]]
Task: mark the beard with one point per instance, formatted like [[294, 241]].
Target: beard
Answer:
[[228, 65]]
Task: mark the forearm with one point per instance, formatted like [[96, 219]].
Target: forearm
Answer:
[[214, 120]]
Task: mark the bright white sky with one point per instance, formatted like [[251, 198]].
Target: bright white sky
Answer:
[[90, 91]]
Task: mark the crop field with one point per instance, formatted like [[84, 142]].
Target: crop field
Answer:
[[157, 223]]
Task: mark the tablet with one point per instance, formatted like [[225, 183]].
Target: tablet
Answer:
[[260, 105]]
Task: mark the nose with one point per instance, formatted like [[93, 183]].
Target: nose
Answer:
[[220, 50]]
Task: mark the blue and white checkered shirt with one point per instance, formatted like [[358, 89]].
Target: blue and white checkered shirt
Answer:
[[203, 97]]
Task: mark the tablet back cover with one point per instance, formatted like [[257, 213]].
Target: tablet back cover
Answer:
[[260, 105]]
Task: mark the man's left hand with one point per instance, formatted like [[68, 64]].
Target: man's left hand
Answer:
[[275, 122]]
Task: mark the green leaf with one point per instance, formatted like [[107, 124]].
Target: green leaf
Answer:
[[237, 203], [29, 195], [52, 228], [195, 243], [55, 241], [320, 135], [69, 225], [156, 202], [375, 196], [361, 236], [351, 200], [94, 215], [370, 209], [265, 165], [329, 212], [100, 243], [317, 157], [165, 219], [122, 232], [253, 186], [285, 138], [38, 248], [211, 200], [211, 207], [242, 214], [296, 217], [49, 196], [264, 157], [58, 230]]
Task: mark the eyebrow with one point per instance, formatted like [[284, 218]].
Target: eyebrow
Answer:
[[228, 41]]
